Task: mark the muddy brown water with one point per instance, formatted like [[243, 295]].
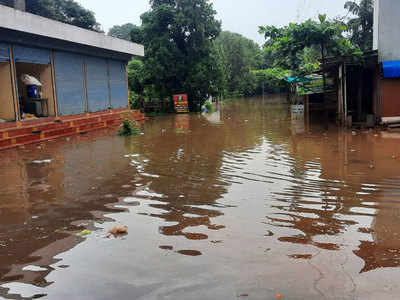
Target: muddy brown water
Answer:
[[240, 203]]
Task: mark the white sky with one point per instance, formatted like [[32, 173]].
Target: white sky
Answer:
[[241, 16]]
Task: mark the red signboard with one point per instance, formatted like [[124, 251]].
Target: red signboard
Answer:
[[181, 103]]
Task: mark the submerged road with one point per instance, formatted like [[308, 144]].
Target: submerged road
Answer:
[[242, 203]]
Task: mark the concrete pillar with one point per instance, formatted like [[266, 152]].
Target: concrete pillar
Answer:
[[20, 4]]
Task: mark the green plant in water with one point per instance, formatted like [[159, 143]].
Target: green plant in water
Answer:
[[208, 105], [129, 128]]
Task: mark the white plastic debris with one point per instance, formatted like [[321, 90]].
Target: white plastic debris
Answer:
[[30, 80], [45, 161]]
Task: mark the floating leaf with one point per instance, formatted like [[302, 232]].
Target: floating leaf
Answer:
[[85, 232]]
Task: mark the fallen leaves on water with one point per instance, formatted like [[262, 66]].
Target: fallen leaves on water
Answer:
[[85, 232]]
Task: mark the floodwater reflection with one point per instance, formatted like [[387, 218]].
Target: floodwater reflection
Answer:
[[215, 204]]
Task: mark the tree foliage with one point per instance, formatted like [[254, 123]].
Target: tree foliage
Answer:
[[66, 11], [136, 75], [271, 79], [300, 46], [361, 26], [238, 56], [122, 32], [178, 37]]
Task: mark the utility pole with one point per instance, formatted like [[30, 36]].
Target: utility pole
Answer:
[[20, 4]]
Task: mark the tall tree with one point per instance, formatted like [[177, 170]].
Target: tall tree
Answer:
[[178, 35], [238, 55], [66, 11], [126, 32], [361, 27]]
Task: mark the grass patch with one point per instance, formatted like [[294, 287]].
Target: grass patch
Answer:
[[129, 128]]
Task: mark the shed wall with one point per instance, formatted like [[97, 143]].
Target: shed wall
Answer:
[[97, 84], [4, 52], [70, 83], [390, 97], [118, 84], [31, 55]]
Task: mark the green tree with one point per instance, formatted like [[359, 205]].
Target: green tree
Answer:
[[122, 31], [361, 26], [137, 34], [271, 80], [238, 56], [66, 11], [300, 47], [136, 76], [178, 37]]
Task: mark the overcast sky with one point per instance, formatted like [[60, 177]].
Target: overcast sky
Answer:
[[242, 16]]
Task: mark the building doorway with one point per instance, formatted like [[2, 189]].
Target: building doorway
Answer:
[[37, 101]]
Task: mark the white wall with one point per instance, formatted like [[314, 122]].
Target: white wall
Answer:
[[388, 29]]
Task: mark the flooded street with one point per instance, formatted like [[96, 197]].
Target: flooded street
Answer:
[[240, 203]]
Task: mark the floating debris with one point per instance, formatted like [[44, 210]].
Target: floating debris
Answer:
[[85, 232], [118, 229], [167, 247], [33, 269], [45, 161], [132, 201]]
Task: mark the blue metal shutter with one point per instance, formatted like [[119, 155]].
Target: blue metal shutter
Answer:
[[31, 55], [69, 83], [97, 84], [118, 87], [4, 52]]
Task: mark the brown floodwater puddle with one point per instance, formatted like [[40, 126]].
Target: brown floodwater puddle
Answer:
[[242, 201]]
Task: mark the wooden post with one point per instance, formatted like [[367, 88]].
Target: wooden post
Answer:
[[53, 82], [127, 85], [14, 84], [85, 84], [108, 85]]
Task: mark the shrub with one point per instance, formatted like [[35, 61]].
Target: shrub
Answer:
[[129, 128]]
